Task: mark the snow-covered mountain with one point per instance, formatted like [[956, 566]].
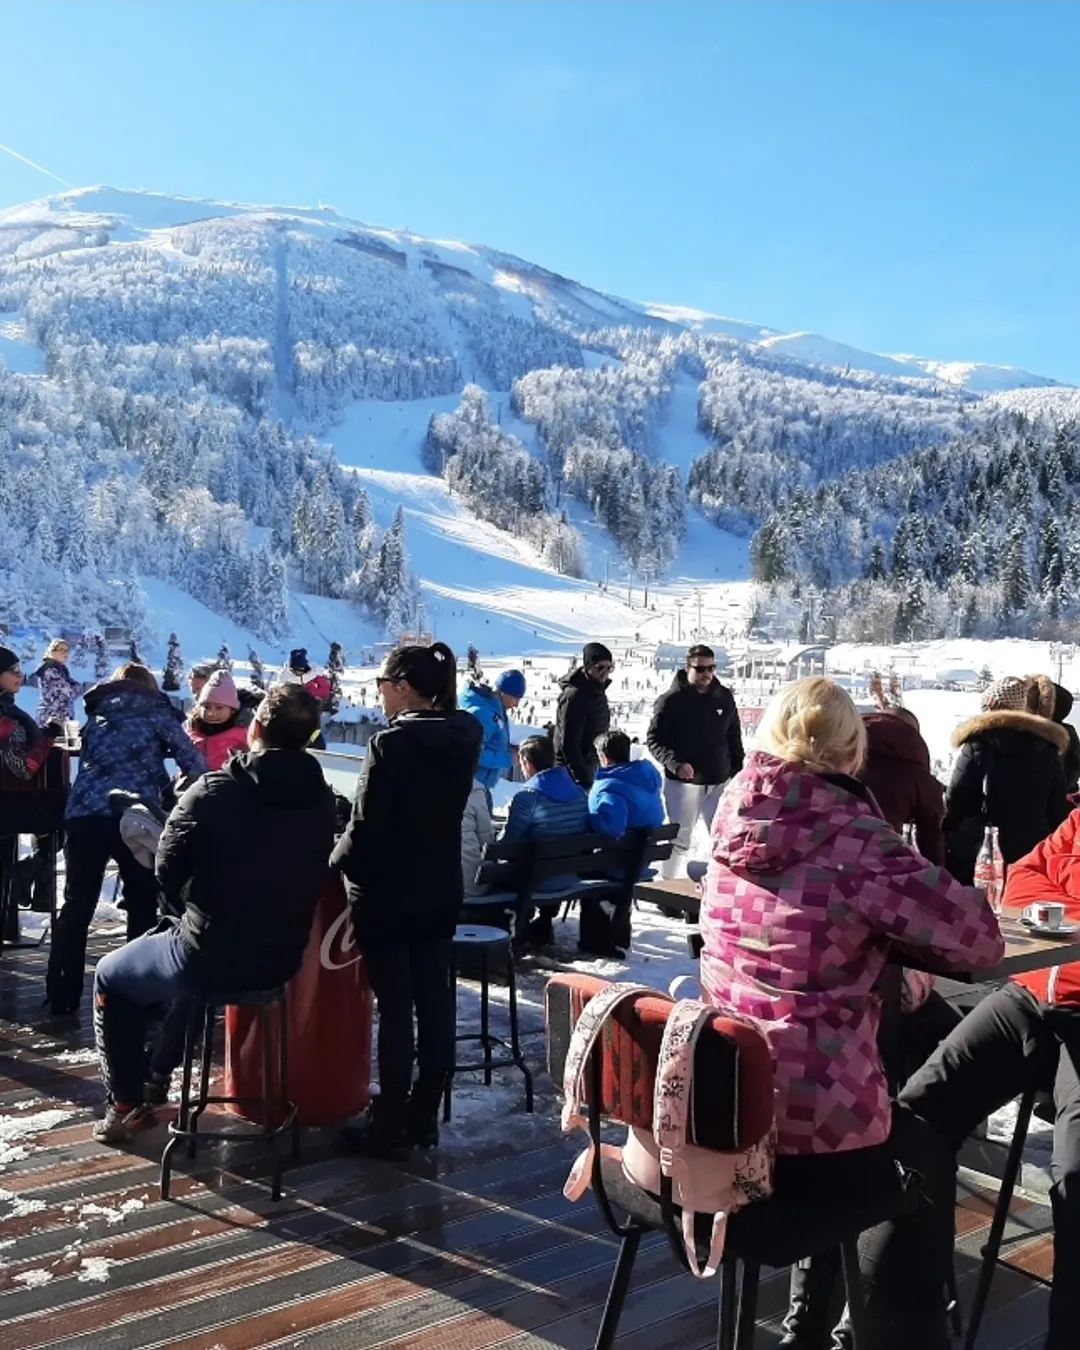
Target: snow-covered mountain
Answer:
[[279, 412]]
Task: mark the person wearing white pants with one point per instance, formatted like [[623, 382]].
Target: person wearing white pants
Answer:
[[696, 738], [686, 804]]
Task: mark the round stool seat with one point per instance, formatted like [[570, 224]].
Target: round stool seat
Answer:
[[246, 998], [479, 935]]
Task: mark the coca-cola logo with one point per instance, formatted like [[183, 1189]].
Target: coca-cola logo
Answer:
[[339, 948]]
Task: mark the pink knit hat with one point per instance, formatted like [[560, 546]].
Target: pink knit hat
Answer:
[[1009, 693], [220, 688]]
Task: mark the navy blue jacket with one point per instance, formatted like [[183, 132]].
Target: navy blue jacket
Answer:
[[550, 803], [626, 797], [130, 732]]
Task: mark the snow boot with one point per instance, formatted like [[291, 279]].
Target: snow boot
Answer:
[[379, 1133]]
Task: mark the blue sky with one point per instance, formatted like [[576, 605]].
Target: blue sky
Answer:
[[898, 176]]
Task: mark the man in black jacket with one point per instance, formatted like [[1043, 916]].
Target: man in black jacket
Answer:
[[242, 859], [583, 714], [695, 737]]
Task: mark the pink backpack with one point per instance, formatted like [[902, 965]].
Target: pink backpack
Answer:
[[704, 1181]]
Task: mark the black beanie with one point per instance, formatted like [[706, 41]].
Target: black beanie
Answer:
[[1063, 702], [298, 659], [595, 651], [8, 659]]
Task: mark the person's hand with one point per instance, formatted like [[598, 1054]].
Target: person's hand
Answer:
[[685, 772], [53, 730]]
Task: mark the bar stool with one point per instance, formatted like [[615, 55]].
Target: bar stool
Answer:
[[201, 1021], [486, 942], [1032, 1102]]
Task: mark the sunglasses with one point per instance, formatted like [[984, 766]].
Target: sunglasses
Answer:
[[703, 670], [603, 667], [380, 680]]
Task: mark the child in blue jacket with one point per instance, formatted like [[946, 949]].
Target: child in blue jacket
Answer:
[[627, 793]]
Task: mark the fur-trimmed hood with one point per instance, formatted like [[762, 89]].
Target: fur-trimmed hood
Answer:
[[1006, 719]]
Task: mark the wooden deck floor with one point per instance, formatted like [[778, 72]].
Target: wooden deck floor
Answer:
[[472, 1247]]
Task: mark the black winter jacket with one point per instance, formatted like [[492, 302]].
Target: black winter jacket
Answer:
[[402, 848], [698, 729], [254, 841], [582, 715], [1018, 756]]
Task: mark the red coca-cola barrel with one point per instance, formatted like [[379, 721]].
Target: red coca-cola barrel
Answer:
[[330, 1009]]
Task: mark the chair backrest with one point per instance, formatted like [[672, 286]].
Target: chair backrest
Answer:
[[522, 865], [733, 1075]]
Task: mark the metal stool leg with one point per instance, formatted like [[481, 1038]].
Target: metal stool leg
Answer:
[[515, 1041], [853, 1288], [185, 1101], [485, 1013], [283, 1069], [992, 1250], [729, 1302], [620, 1284], [268, 1101], [448, 1091], [747, 1315], [205, 1068]]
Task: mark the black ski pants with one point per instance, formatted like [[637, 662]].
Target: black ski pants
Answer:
[[1008, 1043], [91, 841], [408, 976]]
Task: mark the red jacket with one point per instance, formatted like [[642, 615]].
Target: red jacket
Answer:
[[1051, 871]]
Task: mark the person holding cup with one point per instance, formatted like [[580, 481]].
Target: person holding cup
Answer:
[[1026, 1033]]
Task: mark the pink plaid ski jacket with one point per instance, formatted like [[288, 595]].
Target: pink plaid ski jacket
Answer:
[[806, 890]]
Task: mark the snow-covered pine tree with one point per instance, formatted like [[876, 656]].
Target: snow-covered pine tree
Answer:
[[174, 666], [101, 658], [335, 665]]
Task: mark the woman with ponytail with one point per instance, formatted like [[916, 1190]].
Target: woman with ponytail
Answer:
[[807, 888], [401, 855]]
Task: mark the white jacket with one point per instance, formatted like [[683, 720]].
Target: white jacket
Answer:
[[477, 831]]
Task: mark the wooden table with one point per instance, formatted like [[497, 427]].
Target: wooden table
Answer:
[[1024, 951], [681, 894]]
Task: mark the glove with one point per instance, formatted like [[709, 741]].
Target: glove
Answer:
[[53, 730]]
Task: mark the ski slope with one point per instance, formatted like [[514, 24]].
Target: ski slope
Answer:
[[480, 585]]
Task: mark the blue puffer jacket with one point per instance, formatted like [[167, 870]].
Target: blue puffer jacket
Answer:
[[626, 797], [550, 803], [486, 706], [130, 731]]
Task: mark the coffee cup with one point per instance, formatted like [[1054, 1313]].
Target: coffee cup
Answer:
[[1045, 914]]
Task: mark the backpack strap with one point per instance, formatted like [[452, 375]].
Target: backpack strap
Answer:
[[672, 1108], [587, 1032]]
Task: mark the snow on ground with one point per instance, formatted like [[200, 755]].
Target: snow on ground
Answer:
[[822, 351], [482, 586]]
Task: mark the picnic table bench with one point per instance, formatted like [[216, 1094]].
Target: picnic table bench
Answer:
[[598, 867]]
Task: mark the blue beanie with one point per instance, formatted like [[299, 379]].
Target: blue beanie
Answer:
[[511, 683]]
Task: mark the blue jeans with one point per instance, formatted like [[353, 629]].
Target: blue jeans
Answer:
[[153, 970]]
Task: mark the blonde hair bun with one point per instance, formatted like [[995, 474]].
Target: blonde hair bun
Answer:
[[814, 723]]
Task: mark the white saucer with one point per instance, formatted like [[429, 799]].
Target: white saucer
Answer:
[[1062, 930]]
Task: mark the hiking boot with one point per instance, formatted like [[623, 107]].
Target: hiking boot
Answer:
[[120, 1124], [424, 1131], [372, 1138]]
